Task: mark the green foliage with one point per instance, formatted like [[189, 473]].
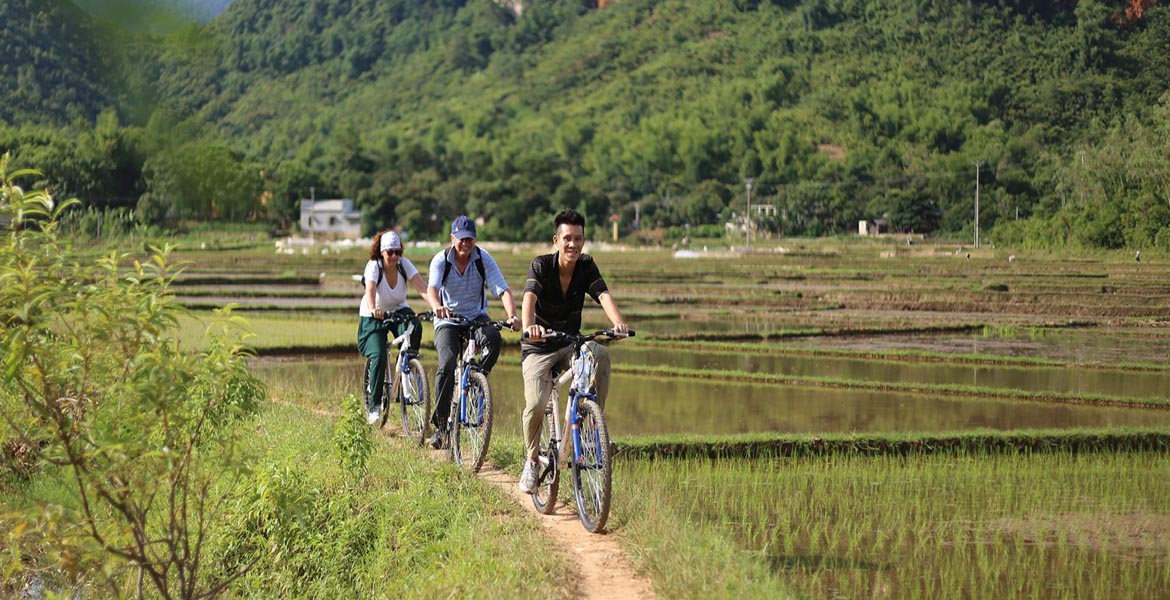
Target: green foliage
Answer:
[[352, 440], [136, 429], [423, 110]]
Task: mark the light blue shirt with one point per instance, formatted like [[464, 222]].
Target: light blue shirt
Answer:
[[464, 292]]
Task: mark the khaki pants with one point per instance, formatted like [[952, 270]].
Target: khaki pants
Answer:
[[538, 381]]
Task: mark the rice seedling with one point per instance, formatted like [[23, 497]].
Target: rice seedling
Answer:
[[1014, 525]]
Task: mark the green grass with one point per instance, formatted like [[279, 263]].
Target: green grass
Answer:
[[416, 527], [1014, 525]]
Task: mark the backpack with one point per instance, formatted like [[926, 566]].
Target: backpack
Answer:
[[478, 266], [381, 275]]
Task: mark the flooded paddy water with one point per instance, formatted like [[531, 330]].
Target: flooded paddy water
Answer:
[[643, 405]]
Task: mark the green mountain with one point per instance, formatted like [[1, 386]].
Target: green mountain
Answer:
[[838, 110]]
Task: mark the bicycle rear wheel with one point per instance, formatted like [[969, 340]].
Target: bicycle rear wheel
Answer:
[[471, 431], [593, 471], [415, 401], [548, 481]]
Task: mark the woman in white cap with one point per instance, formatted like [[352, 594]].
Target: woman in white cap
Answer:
[[384, 279]]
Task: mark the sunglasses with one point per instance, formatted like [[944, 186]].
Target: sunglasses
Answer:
[[393, 252]]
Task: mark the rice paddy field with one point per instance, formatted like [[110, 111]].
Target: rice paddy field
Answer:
[[822, 418]]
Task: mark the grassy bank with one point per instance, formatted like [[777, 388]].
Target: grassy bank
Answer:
[[405, 526], [966, 443]]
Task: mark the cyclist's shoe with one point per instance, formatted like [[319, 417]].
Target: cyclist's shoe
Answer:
[[528, 477], [374, 416], [437, 439]]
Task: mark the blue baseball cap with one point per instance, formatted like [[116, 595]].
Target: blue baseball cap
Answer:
[[462, 227]]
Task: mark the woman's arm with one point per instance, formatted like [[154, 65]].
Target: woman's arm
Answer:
[[419, 286], [371, 298]]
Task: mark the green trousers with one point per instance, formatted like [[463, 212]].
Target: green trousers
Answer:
[[372, 341]]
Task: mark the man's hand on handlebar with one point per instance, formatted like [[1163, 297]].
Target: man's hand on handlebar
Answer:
[[444, 312], [621, 329], [513, 323], [534, 333]]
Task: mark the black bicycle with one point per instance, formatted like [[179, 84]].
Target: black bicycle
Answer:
[[592, 458], [406, 382]]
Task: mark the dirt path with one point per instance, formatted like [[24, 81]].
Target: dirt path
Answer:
[[605, 571]]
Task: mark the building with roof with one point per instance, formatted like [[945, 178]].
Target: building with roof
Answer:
[[334, 217]]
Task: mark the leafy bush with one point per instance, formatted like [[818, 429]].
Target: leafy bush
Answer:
[[352, 439], [132, 432]]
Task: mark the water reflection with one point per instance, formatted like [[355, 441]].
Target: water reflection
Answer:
[[648, 405], [1036, 379]]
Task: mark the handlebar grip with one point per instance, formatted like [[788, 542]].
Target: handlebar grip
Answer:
[[548, 335]]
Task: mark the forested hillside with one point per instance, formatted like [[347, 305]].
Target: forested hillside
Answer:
[[51, 67], [838, 110]]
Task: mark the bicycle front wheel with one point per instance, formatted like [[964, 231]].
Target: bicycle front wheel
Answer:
[[593, 470], [416, 401], [472, 428], [548, 481]]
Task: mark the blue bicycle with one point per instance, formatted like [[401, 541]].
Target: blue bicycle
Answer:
[[406, 382], [469, 426], [592, 457]]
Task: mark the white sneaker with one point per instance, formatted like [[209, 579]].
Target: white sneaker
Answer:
[[374, 416], [528, 477]]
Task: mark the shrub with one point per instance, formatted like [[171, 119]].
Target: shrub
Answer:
[[132, 431]]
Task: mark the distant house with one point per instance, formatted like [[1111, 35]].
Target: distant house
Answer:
[[335, 217], [875, 227]]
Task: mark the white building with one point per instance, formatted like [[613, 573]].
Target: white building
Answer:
[[336, 217]]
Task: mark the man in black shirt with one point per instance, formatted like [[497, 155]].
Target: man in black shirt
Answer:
[[554, 295]]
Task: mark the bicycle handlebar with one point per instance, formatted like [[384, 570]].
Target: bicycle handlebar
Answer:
[[462, 320], [552, 334], [394, 317]]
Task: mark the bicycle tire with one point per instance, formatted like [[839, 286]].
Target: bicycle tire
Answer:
[[593, 472], [415, 401], [472, 432], [548, 482]]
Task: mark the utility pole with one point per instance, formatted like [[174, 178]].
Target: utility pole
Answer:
[[977, 165], [748, 185], [1082, 178]]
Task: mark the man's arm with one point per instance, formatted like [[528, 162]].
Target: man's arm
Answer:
[[436, 304], [611, 311], [510, 309], [528, 317]]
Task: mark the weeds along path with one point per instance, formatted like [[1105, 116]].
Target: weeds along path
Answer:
[[604, 571]]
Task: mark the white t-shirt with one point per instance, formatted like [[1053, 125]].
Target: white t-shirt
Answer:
[[387, 298]]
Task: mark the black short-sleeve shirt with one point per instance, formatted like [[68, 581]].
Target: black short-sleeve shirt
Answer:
[[557, 310]]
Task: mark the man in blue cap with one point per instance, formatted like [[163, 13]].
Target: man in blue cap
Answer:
[[456, 282]]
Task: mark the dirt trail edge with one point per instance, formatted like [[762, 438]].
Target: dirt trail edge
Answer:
[[604, 569]]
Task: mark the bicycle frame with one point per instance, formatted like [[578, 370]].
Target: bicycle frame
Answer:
[[467, 364], [578, 373], [405, 353]]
